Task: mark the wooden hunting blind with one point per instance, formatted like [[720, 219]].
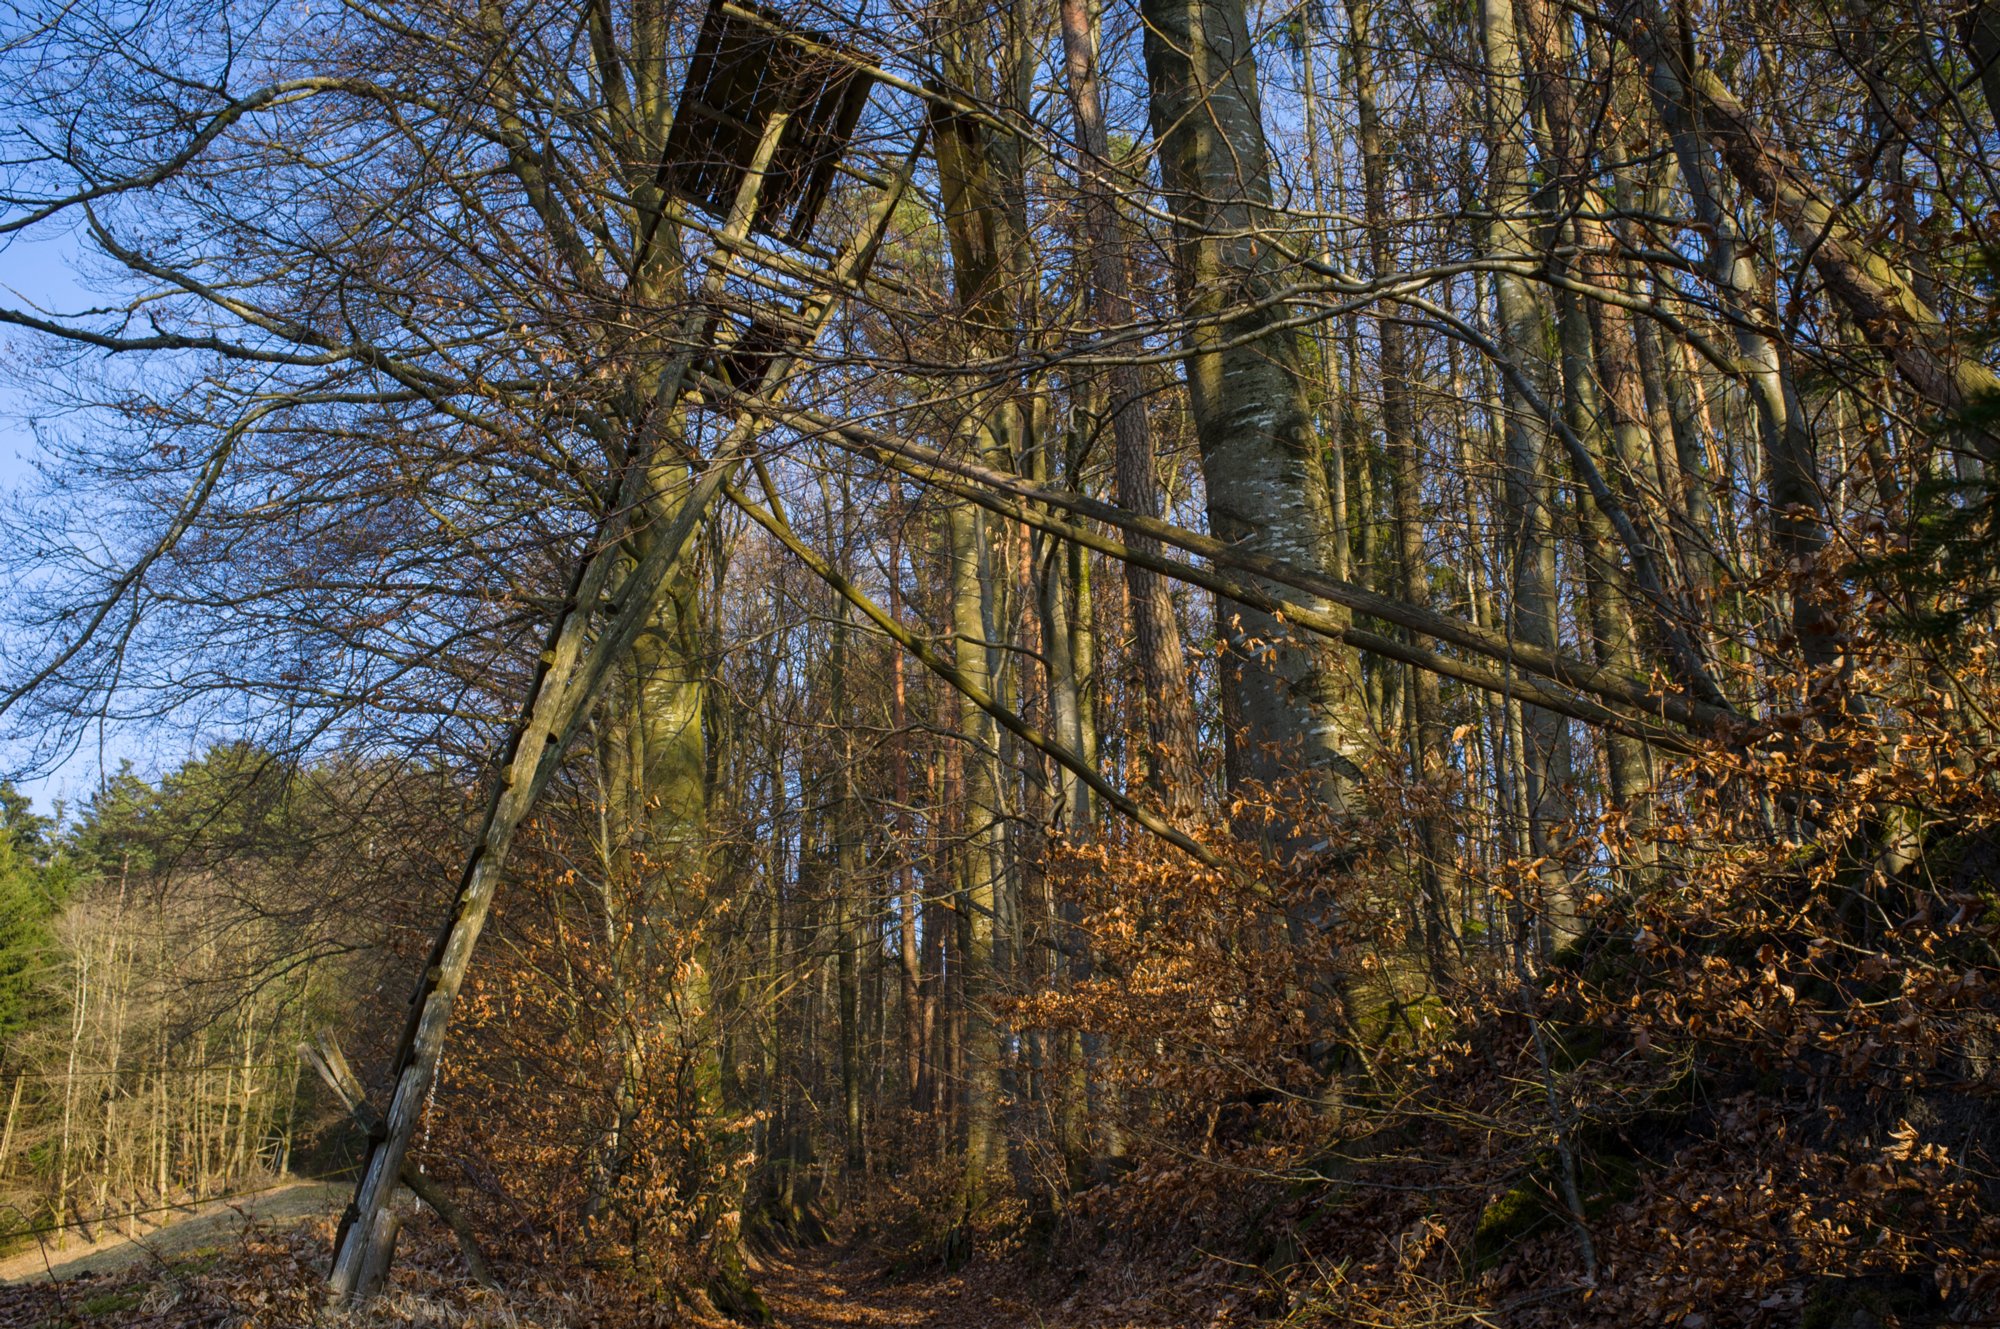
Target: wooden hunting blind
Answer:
[[749, 65]]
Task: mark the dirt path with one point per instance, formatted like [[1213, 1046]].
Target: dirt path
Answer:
[[829, 1288], [846, 1287], [174, 1233]]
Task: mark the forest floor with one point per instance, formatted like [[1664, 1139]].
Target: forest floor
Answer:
[[258, 1263], [828, 1287], [847, 1286]]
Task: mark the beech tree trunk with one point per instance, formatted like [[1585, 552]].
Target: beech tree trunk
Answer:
[[1291, 706], [1156, 637], [982, 190], [1405, 455], [1527, 479]]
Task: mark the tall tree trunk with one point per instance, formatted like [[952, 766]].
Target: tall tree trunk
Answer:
[[1425, 711], [1292, 706], [1883, 303], [1605, 408], [1065, 694], [982, 862], [79, 1009], [847, 889], [983, 193], [1169, 712], [909, 957], [1609, 609], [1527, 483], [1616, 468], [1797, 509]]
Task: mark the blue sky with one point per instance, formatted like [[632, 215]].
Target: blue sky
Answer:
[[41, 273]]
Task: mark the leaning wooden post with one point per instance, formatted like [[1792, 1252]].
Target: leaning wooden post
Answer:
[[565, 687], [360, 1260], [326, 1058]]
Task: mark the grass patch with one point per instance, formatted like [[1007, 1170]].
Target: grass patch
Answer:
[[108, 1303]]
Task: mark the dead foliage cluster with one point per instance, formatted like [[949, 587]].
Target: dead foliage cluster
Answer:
[[1750, 1083]]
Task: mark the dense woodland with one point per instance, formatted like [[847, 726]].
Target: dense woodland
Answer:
[[1333, 660]]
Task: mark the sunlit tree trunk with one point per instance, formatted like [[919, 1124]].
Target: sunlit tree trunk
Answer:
[[910, 904], [1528, 552], [1609, 613], [1054, 602], [1293, 708], [983, 194], [79, 1011], [847, 888], [1797, 508]]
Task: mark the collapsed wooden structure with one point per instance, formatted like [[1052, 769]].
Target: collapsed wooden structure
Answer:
[[764, 125], [748, 66]]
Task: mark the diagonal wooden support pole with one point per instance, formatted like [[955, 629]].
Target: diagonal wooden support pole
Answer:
[[326, 1058], [566, 684], [360, 1257]]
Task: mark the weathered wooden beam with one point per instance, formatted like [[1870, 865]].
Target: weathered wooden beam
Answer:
[[567, 682], [325, 1057], [561, 693]]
